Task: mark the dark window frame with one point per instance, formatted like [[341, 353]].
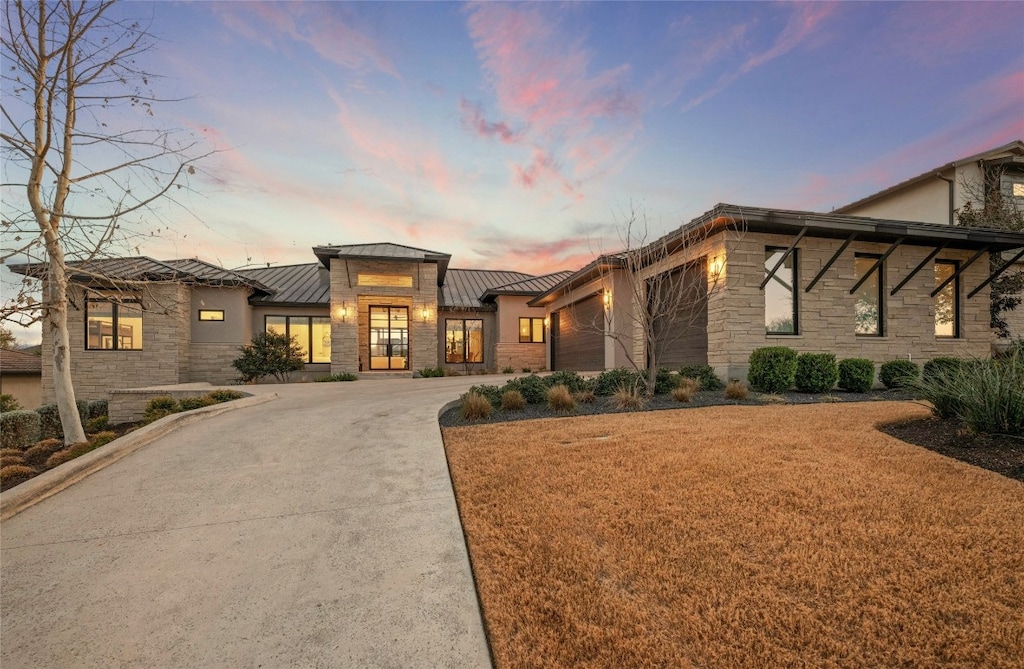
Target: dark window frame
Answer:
[[114, 317], [211, 320], [881, 292], [531, 340], [465, 341], [796, 292], [955, 286], [309, 326]]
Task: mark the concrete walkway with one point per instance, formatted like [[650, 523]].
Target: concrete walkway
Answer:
[[316, 530]]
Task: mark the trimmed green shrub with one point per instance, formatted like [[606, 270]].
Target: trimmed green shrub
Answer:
[[49, 419], [98, 408], [772, 369], [39, 453], [343, 376], [899, 373], [816, 372], [270, 353], [665, 381], [856, 375], [224, 395], [158, 407], [102, 439], [571, 380], [942, 366], [19, 429], [491, 393], [190, 403], [512, 400], [8, 403], [97, 424], [705, 374], [475, 406], [533, 388], [610, 381], [560, 399]]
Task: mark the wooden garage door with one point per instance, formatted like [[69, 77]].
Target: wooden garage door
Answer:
[[683, 334], [577, 337]]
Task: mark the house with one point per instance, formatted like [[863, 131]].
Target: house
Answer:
[[21, 377]]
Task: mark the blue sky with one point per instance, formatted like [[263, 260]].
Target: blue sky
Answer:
[[516, 136]]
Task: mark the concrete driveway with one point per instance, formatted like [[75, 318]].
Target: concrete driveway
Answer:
[[316, 530]]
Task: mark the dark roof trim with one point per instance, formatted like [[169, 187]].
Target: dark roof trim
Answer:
[[380, 252], [597, 268]]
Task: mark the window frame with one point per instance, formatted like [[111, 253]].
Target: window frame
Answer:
[[115, 304], [880, 270], [211, 320], [955, 287], [465, 341], [309, 338], [795, 291], [531, 339]]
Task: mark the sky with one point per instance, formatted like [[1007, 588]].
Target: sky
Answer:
[[522, 136]]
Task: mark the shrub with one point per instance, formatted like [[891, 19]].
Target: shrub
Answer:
[[988, 395], [8, 403], [49, 419], [190, 403], [628, 397], [475, 406], [427, 372], [526, 370], [98, 408], [491, 393], [816, 372], [560, 399], [58, 458], [686, 389], [15, 474], [736, 390], [269, 354], [703, 373], [224, 395], [571, 380], [772, 369], [942, 366], [856, 375], [76, 450], [610, 381], [38, 454], [102, 439], [11, 451], [344, 376], [585, 396], [8, 460], [665, 381], [899, 374], [532, 387], [158, 407], [19, 429], [97, 424], [512, 400], [508, 369]]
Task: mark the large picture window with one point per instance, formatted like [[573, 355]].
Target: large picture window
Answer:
[[531, 330], [311, 333], [113, 324], [947, 302], [780, 295], [464, 340], [868, 313]]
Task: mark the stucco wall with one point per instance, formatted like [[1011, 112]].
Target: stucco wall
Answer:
[[26, 388], [510, 352], [926, 202]]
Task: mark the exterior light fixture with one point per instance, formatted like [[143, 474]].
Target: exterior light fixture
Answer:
[[607, 299], [342, 312], [425, 314], [547, 321], [715, 267]]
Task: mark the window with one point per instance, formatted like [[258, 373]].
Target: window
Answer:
[[312, 334], [780, 296], [947, 302], [211, 314], [1018, 189], [464, 340], [531, 330], [113, 323], [868, 308]]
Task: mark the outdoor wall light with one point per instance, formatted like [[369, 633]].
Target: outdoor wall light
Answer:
[[342, 312], [715, 267], [547, 321], [425, 314], [607, 299]]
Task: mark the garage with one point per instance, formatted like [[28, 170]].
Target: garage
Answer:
[[577, 336]]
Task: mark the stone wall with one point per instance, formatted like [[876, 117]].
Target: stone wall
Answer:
[[521, 356], [163, 360], [212, 362]]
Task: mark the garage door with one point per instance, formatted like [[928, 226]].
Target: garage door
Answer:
[[577, 337], [683, 333]]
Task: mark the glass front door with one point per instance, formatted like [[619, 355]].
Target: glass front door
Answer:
[[389, 338]]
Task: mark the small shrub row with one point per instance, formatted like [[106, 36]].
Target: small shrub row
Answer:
[[899, 374], [158, 407], [776, 369], [342, 376], [430, 372]]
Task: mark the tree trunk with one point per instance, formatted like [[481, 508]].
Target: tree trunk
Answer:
[[57, 326]]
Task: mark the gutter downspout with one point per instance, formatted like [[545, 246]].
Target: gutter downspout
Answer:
[[951, 193]]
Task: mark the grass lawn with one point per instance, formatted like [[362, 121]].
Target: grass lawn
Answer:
[[774, 536]]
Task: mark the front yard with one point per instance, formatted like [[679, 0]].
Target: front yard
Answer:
[[738, 536]]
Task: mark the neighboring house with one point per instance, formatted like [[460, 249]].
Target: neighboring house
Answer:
[[21, 376], [938, 195]]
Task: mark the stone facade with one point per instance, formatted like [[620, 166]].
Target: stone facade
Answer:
[[212, 362], [521, 356]]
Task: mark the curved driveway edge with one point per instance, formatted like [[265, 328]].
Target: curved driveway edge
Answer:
[[35, 490]]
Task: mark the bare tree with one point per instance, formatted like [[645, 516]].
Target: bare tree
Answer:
[[79, 147], [987, 205], [666, 284]]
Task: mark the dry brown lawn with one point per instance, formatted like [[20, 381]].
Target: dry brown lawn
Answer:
[[776, 536]]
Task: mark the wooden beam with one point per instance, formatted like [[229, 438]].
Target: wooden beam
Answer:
[[992, 277], [803, 231], [878, 263], [831, 261], [928, 259], [959, 271]]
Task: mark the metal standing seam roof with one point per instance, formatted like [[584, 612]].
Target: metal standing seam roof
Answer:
[[143, 268], [463, 288], [305, 284], [18, 362], [531, 286]]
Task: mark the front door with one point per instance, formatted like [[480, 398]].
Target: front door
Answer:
[[389, 338]]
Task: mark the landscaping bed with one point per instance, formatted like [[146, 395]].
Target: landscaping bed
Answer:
[[737, 536]]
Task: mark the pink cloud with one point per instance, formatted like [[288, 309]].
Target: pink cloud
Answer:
[[473, 118], [533, 256], [543, 169]]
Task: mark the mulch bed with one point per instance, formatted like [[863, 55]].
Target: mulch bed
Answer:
[[1002, 454]]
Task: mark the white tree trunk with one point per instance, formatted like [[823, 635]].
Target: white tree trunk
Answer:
[[57, 326]]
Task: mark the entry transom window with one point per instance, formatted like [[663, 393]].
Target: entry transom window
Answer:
[[463, 340], [385, 280], [531, 330], [113, 323], [947, 301], [868, 307], [780, 296], [312, 334], [211, 314]]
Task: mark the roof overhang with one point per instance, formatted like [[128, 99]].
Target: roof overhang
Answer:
[[325, 253], [597, 268]]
